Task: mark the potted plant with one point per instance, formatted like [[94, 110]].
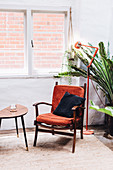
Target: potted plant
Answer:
[[101, 72], [108, 110]]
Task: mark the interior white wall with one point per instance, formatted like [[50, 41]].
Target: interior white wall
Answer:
[[26, 92], [91, 23], [95, 21]]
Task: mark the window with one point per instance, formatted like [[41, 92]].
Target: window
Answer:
[[48, 37], [31, 41], [12, 57]]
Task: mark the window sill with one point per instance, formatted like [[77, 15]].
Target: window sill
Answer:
[[28, 77]]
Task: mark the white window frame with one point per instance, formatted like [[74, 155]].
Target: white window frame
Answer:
[[28, 10], [24, 70]]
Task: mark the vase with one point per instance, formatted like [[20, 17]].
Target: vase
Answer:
[[109, 122]]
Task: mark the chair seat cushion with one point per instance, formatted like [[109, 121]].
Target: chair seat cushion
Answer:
[[67, 102], [52, 119]]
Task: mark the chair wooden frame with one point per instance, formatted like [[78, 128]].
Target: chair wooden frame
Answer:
[[55, 129]]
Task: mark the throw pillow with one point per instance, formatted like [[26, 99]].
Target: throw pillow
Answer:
[[67, 102]]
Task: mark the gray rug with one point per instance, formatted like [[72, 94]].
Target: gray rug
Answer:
[[53, 153]]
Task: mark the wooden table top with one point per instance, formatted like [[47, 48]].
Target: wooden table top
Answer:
[[6, 113]]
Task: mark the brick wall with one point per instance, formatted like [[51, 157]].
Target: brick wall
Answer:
[[48, 35], [11, 40]]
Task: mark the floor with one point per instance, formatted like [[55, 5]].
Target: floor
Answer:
[[54, 152], [98, 133]]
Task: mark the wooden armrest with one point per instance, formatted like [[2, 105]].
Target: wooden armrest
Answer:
[[75, 107], [35, 104]]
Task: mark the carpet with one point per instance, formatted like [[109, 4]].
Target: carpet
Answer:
[[53, 152]]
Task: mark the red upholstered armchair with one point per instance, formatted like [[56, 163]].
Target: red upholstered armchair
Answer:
[[52, 123]]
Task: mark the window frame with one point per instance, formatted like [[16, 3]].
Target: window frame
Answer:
[[24, 71], [28, 34]]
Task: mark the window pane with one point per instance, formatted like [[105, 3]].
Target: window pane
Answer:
[[48, 36], [11, 42]]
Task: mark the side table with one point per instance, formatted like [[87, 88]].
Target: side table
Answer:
[[20, 112]]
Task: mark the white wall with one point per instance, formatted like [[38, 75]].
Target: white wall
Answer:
[[26, 92], [95, 21], [91, 22]]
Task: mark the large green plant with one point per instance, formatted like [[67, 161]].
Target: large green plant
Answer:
[[101, 70], [108, 109]]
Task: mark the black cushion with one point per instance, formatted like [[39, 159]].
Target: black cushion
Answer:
[[67, 102]]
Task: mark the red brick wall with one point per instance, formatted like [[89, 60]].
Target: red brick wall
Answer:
[[11, 40], [48, 35]]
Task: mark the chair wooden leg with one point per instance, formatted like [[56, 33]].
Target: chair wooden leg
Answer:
[[53, 130], [82, 133], [0, 122], [74, 139], [36, 133]]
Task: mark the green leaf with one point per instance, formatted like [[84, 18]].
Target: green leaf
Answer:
[[92, 103], [107, 110], [101, 70]]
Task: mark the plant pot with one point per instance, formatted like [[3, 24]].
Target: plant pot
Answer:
[[109, 125], [108, 121]]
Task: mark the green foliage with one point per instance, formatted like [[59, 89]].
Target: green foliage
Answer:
[[108, 110], [101, 70], [69, 59]]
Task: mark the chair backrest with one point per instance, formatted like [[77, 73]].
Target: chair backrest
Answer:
[[59, 91]]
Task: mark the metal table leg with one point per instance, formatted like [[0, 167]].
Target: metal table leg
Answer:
[[16, 126], [22, 119]]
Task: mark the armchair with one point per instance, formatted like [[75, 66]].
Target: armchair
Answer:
[[52, 123]]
